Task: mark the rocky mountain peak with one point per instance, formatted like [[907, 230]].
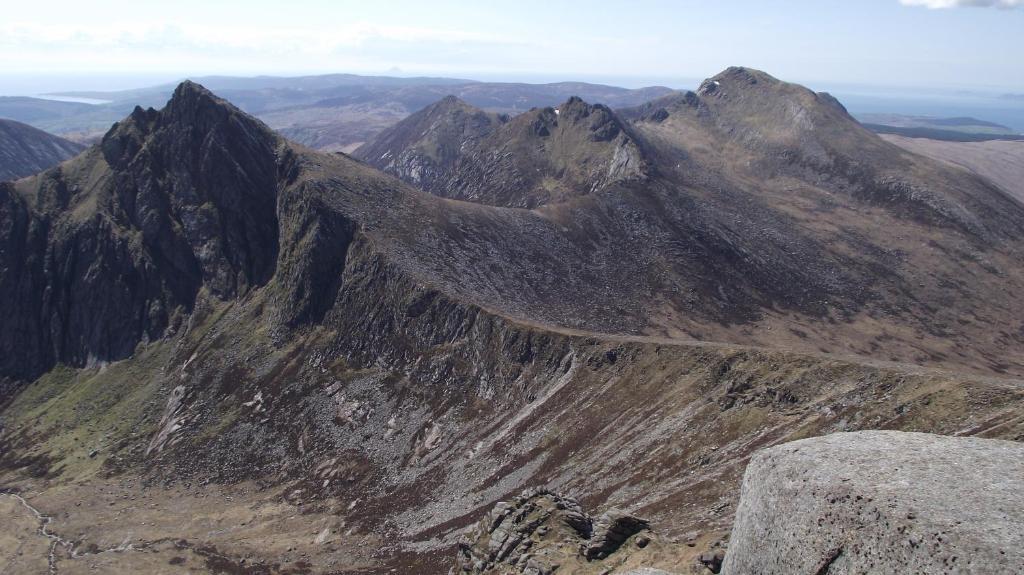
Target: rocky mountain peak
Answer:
[[737, 77], [447, 108], [193, 113], [542, 156], [171, 202], [450, 101], [749, 93], [600, 119], [190, 99]]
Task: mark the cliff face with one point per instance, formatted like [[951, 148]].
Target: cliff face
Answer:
[[111, 248], [25, 150]]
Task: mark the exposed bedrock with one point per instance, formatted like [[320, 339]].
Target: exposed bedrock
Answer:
[[881, 502], [541, 532]]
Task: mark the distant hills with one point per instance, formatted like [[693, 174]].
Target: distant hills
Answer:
[[1000, 161], [962, 129], [328, 112], [25, 150]]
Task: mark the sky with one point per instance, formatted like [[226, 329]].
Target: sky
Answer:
[[922, 43]]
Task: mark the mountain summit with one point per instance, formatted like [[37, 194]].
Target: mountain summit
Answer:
[[113, 247]]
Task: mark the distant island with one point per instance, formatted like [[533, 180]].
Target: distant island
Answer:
[[959, 129]]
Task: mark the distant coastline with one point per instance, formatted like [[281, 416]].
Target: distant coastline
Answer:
[[77, 100]]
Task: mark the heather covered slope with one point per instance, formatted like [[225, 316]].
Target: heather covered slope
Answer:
[[25, 150], [405, 415], [759, 213]]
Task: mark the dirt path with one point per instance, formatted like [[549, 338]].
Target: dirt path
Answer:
[[22, 549], [55, 542], [119, 527]]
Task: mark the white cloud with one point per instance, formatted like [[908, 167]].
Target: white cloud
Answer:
[[937, 4], [359, 46]]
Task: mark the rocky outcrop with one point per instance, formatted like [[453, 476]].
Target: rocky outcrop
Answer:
[[613, 528], [540, 532], [881, 502], [25, 150]]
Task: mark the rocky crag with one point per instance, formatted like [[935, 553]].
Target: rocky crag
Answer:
[[540, 533], [543, 156]]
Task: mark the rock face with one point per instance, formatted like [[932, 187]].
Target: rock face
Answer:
[[25, 150], [540, 532], [881, 502], [112, 248], [610, 531]]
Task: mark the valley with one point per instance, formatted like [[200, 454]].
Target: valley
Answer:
[[675, 424]]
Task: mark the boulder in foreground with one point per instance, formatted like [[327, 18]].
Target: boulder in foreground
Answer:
[[881, 502]]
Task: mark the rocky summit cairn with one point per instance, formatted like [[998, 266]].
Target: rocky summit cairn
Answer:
[[540, 532], [881, 502]]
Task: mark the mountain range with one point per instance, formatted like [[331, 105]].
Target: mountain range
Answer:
[[328, 112], [243, 354]]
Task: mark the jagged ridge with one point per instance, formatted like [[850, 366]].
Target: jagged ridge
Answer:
[[542, 156], [113, 247]]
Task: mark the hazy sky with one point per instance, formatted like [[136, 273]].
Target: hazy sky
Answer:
[[965, 43]]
